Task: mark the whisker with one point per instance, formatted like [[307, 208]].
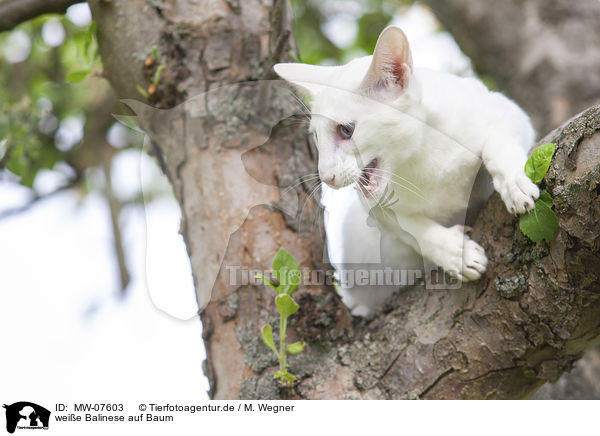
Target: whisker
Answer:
[[381, 170], [298, 120], [305, 109], [420, 195], [308, 199], [302, 179], [377, 201], [306, 178], [410, 190]]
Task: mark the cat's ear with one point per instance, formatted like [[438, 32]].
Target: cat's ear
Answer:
[[392, 65], [307, 78]]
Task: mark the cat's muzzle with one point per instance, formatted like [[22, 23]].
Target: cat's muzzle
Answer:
[[368, 180]]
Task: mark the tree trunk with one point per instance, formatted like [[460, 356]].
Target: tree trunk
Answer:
[[533, 314], [208, 145]]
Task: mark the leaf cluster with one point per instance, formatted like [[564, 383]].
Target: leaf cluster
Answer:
[[287, 276], [541, 223]]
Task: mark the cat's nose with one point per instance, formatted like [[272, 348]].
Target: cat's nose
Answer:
[[329, 180]]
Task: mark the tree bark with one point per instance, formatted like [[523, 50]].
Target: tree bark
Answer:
[[533, 314], [216, 57], [544, 53]]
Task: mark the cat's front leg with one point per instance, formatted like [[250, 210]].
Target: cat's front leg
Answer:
[[447, 247], [456, 253], [517, 191], [505, 161]]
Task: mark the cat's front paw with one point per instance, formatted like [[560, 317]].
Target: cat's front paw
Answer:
[[474, 261], [518, 193], [462, 257]]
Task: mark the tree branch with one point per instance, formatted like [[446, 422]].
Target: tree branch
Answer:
[[533, 314], [115, 206], [36, 198], [14, 12], [544, 54]]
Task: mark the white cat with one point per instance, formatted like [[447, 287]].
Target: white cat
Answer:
[[410, 140]]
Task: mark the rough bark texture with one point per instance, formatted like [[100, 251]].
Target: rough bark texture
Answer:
[[533, 314], [544, 53], [208, 147]]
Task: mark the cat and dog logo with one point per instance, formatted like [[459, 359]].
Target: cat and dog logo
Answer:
[[26, 415]]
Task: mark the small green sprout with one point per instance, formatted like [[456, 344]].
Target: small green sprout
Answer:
[[541, 223], [142, 91], [285, 282], [156, 76], [154, 72]]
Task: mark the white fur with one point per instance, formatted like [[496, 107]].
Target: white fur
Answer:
[[430, 132]]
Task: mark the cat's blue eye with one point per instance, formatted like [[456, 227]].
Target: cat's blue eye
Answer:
[[345, 130]]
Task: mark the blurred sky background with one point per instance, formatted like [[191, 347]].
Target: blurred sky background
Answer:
[[66, 326]]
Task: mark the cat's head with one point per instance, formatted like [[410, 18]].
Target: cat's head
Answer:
[[361, 113]]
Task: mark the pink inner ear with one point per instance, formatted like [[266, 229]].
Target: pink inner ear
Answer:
[[399, 73]]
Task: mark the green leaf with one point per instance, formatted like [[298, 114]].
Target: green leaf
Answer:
[[296, 347], [286, 306], [267, 337], [284, 375], [286, 271], [541, 223], [78, 75], [266, 280], [92, 29], [289, 377], [546, 198], [539, 162], [284, 261], [90, 49], [142, 91], [157, 74], [291, 281], [16, 164]]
